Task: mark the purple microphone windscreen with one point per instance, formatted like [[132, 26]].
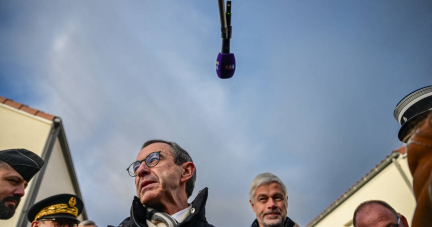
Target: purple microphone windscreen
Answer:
[[225, 65]]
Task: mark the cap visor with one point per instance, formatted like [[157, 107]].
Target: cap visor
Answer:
[[408, 126], [65, 216]]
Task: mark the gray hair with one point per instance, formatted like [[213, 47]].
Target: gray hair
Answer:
[[87, 223], [180, 156], [265, 178]]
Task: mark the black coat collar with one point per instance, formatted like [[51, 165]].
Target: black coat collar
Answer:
[[288, 223], [138, 211]]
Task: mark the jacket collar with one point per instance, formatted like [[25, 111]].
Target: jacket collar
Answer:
[[138, 211], [287, 223]]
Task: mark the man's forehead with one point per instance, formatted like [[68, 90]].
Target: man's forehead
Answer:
[[375, 208], [374, 213], [153, 148], [269, 188]]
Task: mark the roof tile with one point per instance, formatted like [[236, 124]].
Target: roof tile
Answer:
[[13, 104], [29, 110], [45, 115], [401, 150], [26, 109]]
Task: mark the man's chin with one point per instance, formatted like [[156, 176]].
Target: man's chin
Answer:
[[273, 221], [6, 212]]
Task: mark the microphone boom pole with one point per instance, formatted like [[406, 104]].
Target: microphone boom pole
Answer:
[[222, 18], [225, 62]]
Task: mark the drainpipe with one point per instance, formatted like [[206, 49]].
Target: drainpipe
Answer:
[[404, 176]]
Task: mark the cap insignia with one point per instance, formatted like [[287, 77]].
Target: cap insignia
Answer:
[[72, 202], [59, 209]]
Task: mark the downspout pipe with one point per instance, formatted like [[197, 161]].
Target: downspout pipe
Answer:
[[70, 166], [404, 176]]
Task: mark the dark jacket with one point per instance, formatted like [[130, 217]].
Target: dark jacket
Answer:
[[195, 219], [288, 223]]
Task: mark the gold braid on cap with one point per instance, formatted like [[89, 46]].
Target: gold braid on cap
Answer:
[[59, 209]]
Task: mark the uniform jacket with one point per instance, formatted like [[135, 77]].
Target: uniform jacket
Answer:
[[195, 219], [288, 223]]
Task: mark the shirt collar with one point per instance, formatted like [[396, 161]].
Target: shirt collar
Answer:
[[177, 216]]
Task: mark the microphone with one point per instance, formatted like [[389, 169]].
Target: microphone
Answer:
[[225, 62]]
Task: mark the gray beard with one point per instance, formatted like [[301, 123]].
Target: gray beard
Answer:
[[280, 223]]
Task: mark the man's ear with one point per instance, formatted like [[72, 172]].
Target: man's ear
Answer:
[[252, 205], [404, 220], [187, 172], [35, 224]]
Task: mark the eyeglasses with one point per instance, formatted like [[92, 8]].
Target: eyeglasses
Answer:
[[151, 161], [61, 222], [399, 221]]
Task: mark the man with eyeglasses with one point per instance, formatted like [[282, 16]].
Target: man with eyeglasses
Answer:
[[165, 177], [17, 168], [56, 211], [376, 213]]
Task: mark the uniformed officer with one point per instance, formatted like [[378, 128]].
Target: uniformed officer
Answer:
[[56, 211], [17, 167]]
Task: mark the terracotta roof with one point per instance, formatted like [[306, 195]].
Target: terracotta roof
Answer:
[[26, 108], [401, 150]]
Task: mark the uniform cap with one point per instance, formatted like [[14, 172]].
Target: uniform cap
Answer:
[[58, 206], [25, 162], [414, 106]]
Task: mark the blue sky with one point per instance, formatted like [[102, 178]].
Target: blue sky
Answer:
[[312, 98]]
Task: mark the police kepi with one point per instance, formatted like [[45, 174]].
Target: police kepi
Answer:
[[60, 210]]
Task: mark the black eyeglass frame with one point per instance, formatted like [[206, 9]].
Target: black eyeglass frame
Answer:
[[144, 160], [398, 222]]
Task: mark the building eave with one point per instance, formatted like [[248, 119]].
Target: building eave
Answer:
[[357, 186]]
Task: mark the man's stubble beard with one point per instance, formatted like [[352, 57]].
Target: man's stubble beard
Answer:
[[7, 212], [273, 222]]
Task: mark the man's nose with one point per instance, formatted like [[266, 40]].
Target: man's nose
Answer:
[[143, 170], [19, 190], [271, 204]]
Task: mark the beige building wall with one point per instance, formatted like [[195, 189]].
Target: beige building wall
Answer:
[[388, 185], [56, 168], [19, 129]]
